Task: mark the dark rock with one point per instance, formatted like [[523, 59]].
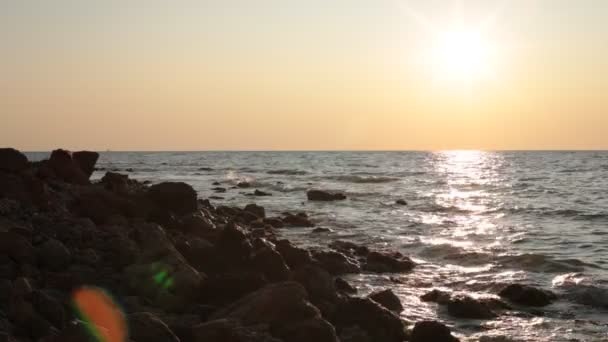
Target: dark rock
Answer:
[[297, 220], [321, 195], [176, 197], [431, 331], [388, 299], [354, 334], [261, 193], [26, 320], [64, 166], [270, 262], [527, 295], [12, 160], [17, 247], [293, 256], [274, 222], [49, 308], [436, 296], [219, 189], [54, 255], [314, 329], [336, 263], [86, 160], [255, 209], [343, 286], [349, 248], [321, 230], [229, 331], [145, 326], [234, 246], [116, 182], [468, 307], [388, 263], [243, 185], [198, 252], [318, 282], [226, 288], [401, 202], [379, 323]]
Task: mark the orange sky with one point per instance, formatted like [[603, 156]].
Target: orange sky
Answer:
[[300, 75]]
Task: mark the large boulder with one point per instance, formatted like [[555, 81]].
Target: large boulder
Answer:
[[527, 295], [427, 331], [384, 262], [64, 167], [177, 197], [468, 307], [145, 326], [225, 288], [326, 196], [294, 256], [379, 323], [230, 331], [270, 262], [336, 263], [86, 160], [388, 299], [12, 160]]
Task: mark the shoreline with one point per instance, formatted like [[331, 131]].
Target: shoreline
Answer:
[[232, 276]]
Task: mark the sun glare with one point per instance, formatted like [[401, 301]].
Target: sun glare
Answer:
[[461, 55]]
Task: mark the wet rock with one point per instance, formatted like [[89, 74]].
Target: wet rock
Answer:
[[321, 195], [176, 197], [436, 296], [378, 262], [274, 222], [336, 263], [427, 331], [293, 256], [349, 248], [243, 185], [54, 255], [261, 193], [401, 202], [219, 189], [297, 220], [255, 209], [527, 295], [320, 230], [388, 299], [270, 262], [344, 287], [17, 247], [64, 166], [86, 160], [468, 307], [145, 326], [12, 160], [318, 282], [379, 323]]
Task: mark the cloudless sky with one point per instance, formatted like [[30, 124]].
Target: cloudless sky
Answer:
[[307, 74]]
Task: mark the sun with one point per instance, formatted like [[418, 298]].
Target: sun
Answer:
[[461, 55]]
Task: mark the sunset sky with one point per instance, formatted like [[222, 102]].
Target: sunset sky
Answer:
[[304, 75]]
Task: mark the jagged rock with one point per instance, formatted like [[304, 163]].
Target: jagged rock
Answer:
[[527, 295], [293, 256], [427, 331], [379, 323], [261, 193], [233, 245], [349, 248], [321, 230], [318, 282], [321, 195], [243, 185], [86, 160], [12, 160], [297, 220], [270, 262], [343, 286], [54, 255], [388, 263], [229, 331], [17, 247], [145, 326], [255, 209], [401, 202], [436, 296], [177, 197], [468, 307], [64, 166], [388, 299], [336, 263]]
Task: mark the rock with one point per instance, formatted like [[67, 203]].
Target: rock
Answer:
[[354, 334], [54, 255], [49, 308], [26, 321], [388, 263], [401, 202], [297, 220], [64, 166], [243, 185], [343, 286], [336, 263], [388, 299], [314, 329], [116, 182], [12, 160], [219, 189], [234, 246], [17, 247], [321, 230], [21, 288], [255, 209], [349, 248], [225, 288], [379, 323], [261, 193], [431, 331], [86, 160], [270, 262], [198, 252], [318, 282], [321, 195], [527, 295], [293, 256], [436, 296], [468, 307], [229, 331], [177, 197], [144, 326]]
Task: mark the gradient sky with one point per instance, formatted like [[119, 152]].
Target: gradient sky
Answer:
[[308, 74]]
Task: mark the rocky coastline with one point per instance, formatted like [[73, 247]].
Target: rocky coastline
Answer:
[[184, 269]]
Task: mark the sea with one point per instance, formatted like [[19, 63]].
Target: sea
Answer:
[[474, 222]]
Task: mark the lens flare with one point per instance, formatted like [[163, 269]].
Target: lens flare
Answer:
[[103, 318]]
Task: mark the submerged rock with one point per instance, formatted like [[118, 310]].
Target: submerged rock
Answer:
[[261, 193], [468, 307], [395, 262], [527, 295], [388, 299], [401, 202], [431, 331], [321, 195]]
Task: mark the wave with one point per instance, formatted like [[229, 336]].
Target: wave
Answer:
[[543, 263], [582, 289], [288, 172], [363, 179], [434, 207]]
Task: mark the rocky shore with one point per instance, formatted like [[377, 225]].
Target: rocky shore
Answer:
[[183, 269]]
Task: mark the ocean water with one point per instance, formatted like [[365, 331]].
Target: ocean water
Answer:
[[474, 222]]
